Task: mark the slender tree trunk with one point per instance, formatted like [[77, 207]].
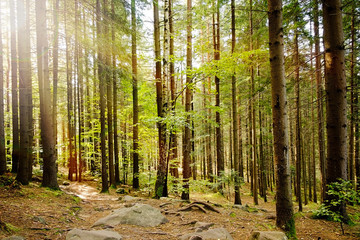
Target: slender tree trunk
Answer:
[[253, 118], [218, 134], [47, 129], [335, 84], [298, 148], [187, 135], [284, 206], [234, 111], [55, 66], [14, 91], [135, 99], [115, 98], [319, 94], [174, 162], [162, 165], [2, 126], [102, 83]]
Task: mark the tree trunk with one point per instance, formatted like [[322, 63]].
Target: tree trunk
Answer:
[[115, 98], [319, 95], [14, 91], [55, 67], [25, 94], [234, 111], [298, 148], [47, 129], [187, 134], [162, 165], [135, 99], [335, 84], [284, 206], [102, 84], [2, 126]]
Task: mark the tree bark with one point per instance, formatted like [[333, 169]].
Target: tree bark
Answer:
[[14, 91], [135, 98], [102, 84], [2, 126], [25, 93], [284, 206], [162, 164], [187, 134], [335, 84], [47, 129], [234, 111]]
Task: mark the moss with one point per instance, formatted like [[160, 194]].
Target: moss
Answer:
[[290, 229]]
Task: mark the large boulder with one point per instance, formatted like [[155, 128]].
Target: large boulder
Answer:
[[139, 214], [268, 236], [211, 234], [78, 234]]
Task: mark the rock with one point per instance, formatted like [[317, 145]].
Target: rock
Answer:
[[77, 234], [202, 226], [14, 238], [65, 183], [212, 234], [121, 191], [268, 236], [140, 214], [128, 198], [40, 220]]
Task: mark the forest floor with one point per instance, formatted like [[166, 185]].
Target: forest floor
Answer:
[[40, 213]]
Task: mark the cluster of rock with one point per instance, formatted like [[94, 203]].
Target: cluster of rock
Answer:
[[145, 215]]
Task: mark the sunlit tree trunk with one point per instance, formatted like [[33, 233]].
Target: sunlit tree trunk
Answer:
[[115, 98], [14, 91], [102, 84], [135, 98], [218, 133], [25, 93], [319, 95], [187, 134], [335, 84], [284, 206], [47, 129], [55, 66], [2, 131], [160, 187], [174, 162]]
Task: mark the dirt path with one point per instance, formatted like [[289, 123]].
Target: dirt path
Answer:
[[39, 213]]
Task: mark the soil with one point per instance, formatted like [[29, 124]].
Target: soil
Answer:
[[40, 213]]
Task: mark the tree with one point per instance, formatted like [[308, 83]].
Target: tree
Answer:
[[284, 206], [102, 83], [135, 98], [14, 91], [185, 195], [335, 85], [2, 132], [234, 111], [160, 188], [25, 93], [47, 130]]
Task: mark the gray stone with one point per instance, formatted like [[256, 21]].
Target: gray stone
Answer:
[[127, 198], [14, 238], [77, 234], [140, 214], [212, 234], [202, 226], [268, 236]]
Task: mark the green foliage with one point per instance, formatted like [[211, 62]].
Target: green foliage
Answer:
[[290, 229], [8, 228], [340, 192], [9, 182]]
